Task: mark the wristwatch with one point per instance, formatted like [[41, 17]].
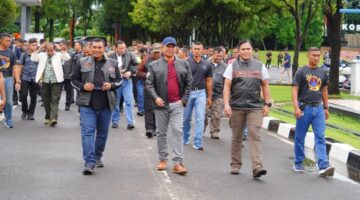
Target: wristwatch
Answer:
[[267, 104]]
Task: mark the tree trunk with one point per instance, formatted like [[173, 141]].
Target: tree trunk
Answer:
[[37, 20], [334, 31], [51, 30], [295, 64], [72, 29]]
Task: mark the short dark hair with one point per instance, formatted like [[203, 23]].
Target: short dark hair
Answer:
[[79, 42], [198, 43], [32, 40], [184, 50], [119, 42], [218, 50], [3, 35], [64, 42], [42, 41], [98, 40], [313, 49], [143, 50], [243, 42]]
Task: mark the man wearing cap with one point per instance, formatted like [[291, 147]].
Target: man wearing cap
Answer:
[[150, 126], [11, 69], [168, 81]]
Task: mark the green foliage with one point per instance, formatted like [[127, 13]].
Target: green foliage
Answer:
[[7, 12], [215, 21]]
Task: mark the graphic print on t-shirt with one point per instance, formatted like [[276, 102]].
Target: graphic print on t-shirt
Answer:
[[4, 62], [314, 82]]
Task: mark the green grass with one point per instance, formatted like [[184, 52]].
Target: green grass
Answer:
[[302, 57], [335, 134], [280, 93]]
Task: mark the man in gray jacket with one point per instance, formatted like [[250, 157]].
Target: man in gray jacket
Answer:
[[168, 81]]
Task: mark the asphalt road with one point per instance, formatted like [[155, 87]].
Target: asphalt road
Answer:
[[40, 162]]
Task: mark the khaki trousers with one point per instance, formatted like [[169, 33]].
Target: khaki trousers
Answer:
[[253, 120]]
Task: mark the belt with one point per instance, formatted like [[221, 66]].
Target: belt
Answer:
[[196, 88], [316, 104], [7, 76]]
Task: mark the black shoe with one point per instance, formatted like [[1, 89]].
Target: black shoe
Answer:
[[88, 170], [67, 107], [149, 134], [53, 122], [114, 125], [121, 109], [140, 114], [130, 127], [258, 172], [30, 117], [99, 164], [23, 115], [15, 103]]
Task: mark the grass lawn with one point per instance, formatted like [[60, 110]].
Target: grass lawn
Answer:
[[302, 57]]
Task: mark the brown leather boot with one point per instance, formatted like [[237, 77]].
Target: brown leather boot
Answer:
[[179, 169], [161, 165]]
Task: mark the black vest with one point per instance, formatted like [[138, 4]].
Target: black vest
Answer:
[[246, 85], [87, 76]]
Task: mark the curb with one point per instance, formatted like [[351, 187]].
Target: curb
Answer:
[[343, 153]]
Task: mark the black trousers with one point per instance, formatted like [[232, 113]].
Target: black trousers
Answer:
[[69, 90], [149, 105], [28, 88]]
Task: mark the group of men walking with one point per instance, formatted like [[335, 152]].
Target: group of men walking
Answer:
[[170, 89]]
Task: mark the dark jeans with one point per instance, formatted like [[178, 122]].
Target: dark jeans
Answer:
[[15, 95], [149, 104], [28, 88], [268, 64], [94, 133], [69, 92], [52, 94]]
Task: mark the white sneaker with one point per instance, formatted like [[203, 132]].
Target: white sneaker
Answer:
[[329, 171]]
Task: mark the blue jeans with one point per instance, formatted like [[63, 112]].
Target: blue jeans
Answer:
[[94, 132], [9, 90], [316, 117], [126, 90], [140, 95], [196, 100]]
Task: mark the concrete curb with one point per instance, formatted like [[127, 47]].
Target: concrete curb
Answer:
[[343, 153]]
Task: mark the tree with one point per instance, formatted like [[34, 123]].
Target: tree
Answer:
[[299, 9], [333, 17], [7, 12], [215, 21]]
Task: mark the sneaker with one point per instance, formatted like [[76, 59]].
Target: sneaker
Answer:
[[30, 117], [99, 164], [23, 115], [114, 125], [6, 125], [162, 165], [329, 171], [298, 168], [258, 172], [53, 122], [47, 122], [88, 170], [198, 148], [67, 107], [130, 127], [179, 169]]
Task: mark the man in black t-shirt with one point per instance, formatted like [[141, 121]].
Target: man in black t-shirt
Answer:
[[10, 69], [310, 101], [200, 95]]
